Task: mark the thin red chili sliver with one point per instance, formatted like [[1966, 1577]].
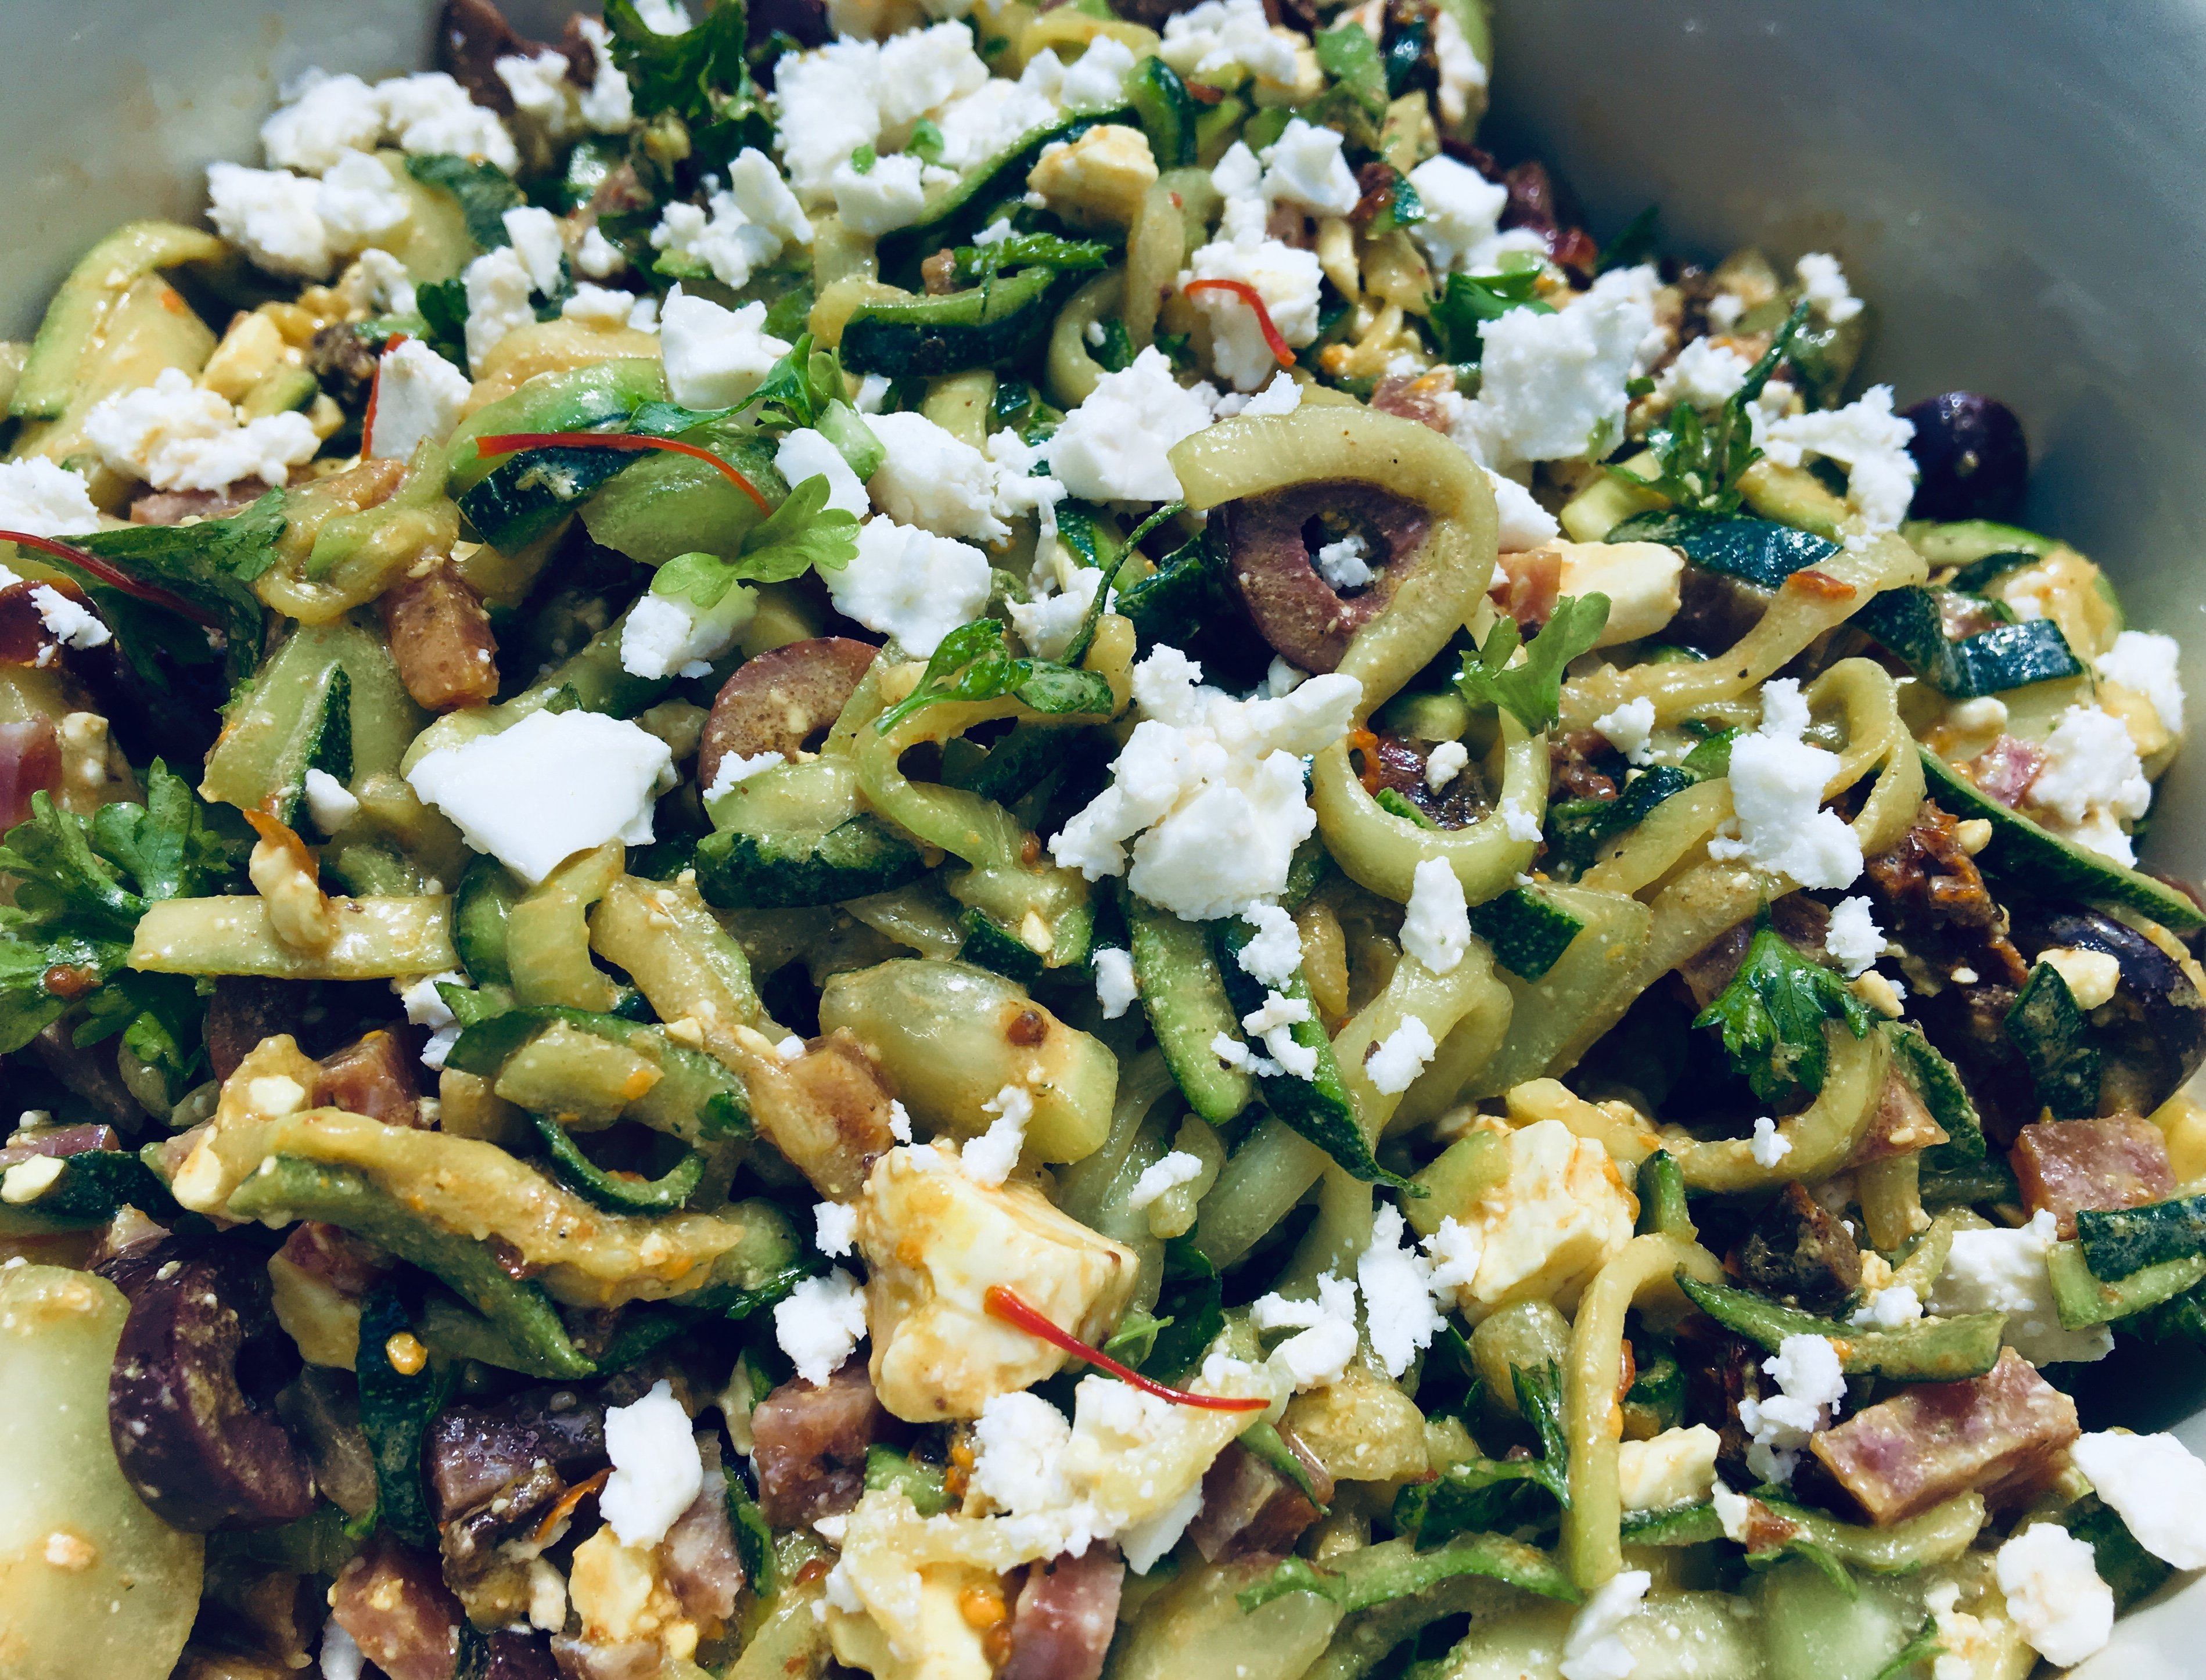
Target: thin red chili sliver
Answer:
[[1006, 1306], [509, 443], [110, 575], [1254, 299], [375, 392]]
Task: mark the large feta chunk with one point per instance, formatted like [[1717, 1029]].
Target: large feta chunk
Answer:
[[1396, 1060], [2054, 1592], [743, 225], [826, 105], [657, 1470], [1436, 923], [273, 216], [499, 290], [886, 195], [176, 437], [1115, 446], [933, 479], [2156, 1486], [2001, 1270], [1810, 1386], [360, 204], [1552, 386], [1560, 1213], [922, 70], [1777, 782], [1325, 1323], [327, 116], [805, 454], [1285, 277], [1461, 229], [1396, 1285], [666, 635], [936, 1240], [46, 500], [1219, 36], [418, 399], [430, 113], [1675, 1468], [1304, 167], [822, 1320], [1099, 180], [2090, 779], [2144, 662], [910, 584], [1866, 437], [715, 356], [552, 784], [1212, 787]]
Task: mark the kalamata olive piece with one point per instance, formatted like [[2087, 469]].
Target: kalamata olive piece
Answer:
[[191, 1402], [1971, 458], [780, 700], [2152, 1033], [804, 22], [1273, 542]]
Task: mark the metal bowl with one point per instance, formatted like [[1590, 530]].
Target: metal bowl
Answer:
[[2014, 187]]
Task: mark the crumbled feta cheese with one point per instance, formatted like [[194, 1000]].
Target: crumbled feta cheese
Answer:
[[743, 225], [886, 196], [1552, 386], [997, 114], [1021, 490], [1436, 923], [1175, 1170], [1304, 167], [1629, 728], [1282, 396], [826, 105], [1317, 1356], [2004, 1271], [1866, 437], [665, 635], [327, 116], [1704, 375], [2055, 1594], [734, 767], [820, 1322], [1342, 564], [2145, 662], [2092, 775], [1592, 1650], [1891, 1308], [432, 113], [1810, 1384], [910, 584], [1114, 980], [2156, 1486], [1777, 782], [988, 1159], [271, 215], [1462, 214], [1517, 822], [499, 290], [1114, 446], [608, 104], [933, 479], [1396, 1282], [835, 1228], [1020, 1443], [1461, 73], [1770, 1146], [329, 801], [1823, 284], [1560, 1213], [657, 1470], [1445, 763], [1853, 937], [1048, 625], [597, 257], [68, 622], [1274, 1024], [1099, 180], [804, 453], [1221, 35], [42, 499], [1396, 1060], [1285, 277], [552, 784], [387, 288], [1275, 956], [1675, 1468], [1522, 522], [1211, 785], [541, 91], [923, 70], [418, 400], [600, 305], [359, 203], [1281, 678], [176, 437], [715, 357], [1097, 79], [536, 240]]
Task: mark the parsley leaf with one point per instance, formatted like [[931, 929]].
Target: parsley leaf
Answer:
[[1635, 244], [798, 388], [1532, 692], [1029, 250], [973, 663], [1347, 53], [1468, 301], [1771, 1016], [700, 76], [443, 307], [1492, 1494], [1701, 461], [802, 535], [484, 192], [211, 564]]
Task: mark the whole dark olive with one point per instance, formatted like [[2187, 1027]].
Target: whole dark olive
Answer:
[[1972, 460], [190, 1401], [1273, 544]]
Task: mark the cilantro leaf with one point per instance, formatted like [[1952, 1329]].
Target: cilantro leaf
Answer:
[[800, 535], [973, 663], [483, 191], [1771, 1016], [1532, 692], [1488, 1494], [1701, 461], [1469, 301]]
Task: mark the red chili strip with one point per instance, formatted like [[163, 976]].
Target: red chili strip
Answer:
[[375, 393], [1254, 299], [1002, 1304], [108, 574], [509, 443]]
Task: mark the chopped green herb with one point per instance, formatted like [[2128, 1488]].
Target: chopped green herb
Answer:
[[1773, 1013], [1532, 692]]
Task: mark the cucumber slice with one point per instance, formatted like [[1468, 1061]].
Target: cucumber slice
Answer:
[[2084, 1299], [2008, 656], [526, 495], [770, 872], [1938, 1083], [1165, 111], [1963, 542], [1001, 322], [1183, 995], [2042, 862], [1528, 929], [989, 944], [967, 207], [696, 1098], [1759, 551], [329, 699], [2120, 1242]]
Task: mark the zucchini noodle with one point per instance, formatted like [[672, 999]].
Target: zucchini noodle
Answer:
[[1070, 374], [1156, 246], [1821, 1137], [1592, 1421]]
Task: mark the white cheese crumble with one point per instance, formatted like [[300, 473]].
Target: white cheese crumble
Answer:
[[1285, 277], [2156, 1486], [418, 400], [1866, 437], [805, 454], [1436, 922], [498, 292], [329, 801], [1275, 956], [1891, 1307], [2004, 1271], [1522, 522], [1396, 1282], [273, 216], [326, 116], [2090, 779], [664, 635], [1552, 386], [1823, 284], [1274, 1024], [341, 1658], [1445, 763], [988, 1159], [430, 112], [425, 1006], [1629, 728], [1517, 822], [1770, 1146], [657, 1469], [1342, 563], [1462, 213], [1811, 1383], [1777, 781], [46, 500], [1175, 1170], [1221, 35], [1282, 396], [820, 1322], [1704, 375], [1396, 1060], [715, 357], [1114, 446], [176, 437], [887, 195], [910, 584], [1317, 1356], [734, 767], [930, 478], [555, 783], [834, 1227], [1304, 167], [1048, 624], [1115, 989], [743, 226], [1211, 785], [2146, 662], [1592, 1649], [1853, 937], [2054, 1592]]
